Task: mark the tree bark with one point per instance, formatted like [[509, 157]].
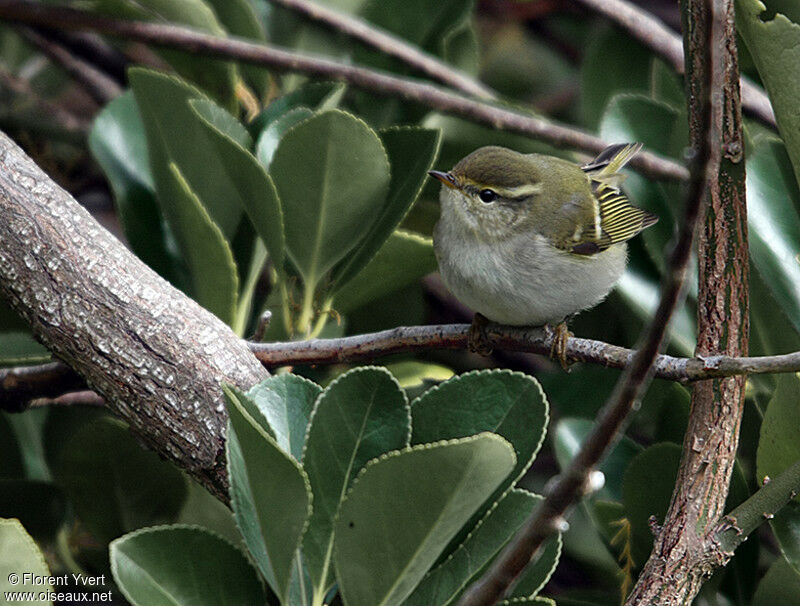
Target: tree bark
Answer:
[[156, 356], [685, 551]]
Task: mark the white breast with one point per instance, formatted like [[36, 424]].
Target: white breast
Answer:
[[523, 281]]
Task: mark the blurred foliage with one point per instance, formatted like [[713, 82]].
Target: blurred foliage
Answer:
[[254, 191]]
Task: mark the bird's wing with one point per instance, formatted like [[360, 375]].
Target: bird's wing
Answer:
[[615, 218]]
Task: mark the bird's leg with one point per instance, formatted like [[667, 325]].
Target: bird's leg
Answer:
[[558, 346], [477, 339]]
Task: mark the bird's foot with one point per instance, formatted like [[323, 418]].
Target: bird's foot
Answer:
[[558, 346], [477, 339]]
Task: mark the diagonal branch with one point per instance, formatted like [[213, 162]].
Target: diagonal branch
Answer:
[[390, 45], [658, 37], [374, 81]]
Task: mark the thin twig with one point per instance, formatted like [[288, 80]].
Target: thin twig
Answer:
[[390, 45], [21, 384], [54, 112], [97, 84], [377, 82], [407, 339], [654, 34], [73, 398], [570, 486]]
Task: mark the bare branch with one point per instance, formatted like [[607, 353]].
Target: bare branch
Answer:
[[431, 96], [97, 84], [390, 45], [657, 36], [687, 544]]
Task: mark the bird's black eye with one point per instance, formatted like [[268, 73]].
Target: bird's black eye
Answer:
[[487, 195]]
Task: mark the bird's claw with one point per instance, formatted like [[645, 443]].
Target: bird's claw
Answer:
[[477, 339], [560, 335]]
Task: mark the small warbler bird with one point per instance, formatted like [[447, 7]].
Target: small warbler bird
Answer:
[[530, 240]]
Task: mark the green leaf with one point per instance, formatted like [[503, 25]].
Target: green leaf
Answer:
[[613, 63], [404, 258], [270, 496], [536, 574], [411, 152], [442, 584], [286, 401], [19, 554], [774, 224], [647, 489], [311, 95], [413, 373], [331, 172], [173, 137], [779, 587], [215, 282], [403, 510], [114, 485], [215, 76], [172, 565], [253, 190], [666, 85], [510, 404], [360, 416], [21, 349], [271, 136], [40, 506], [222, 121], [773, 39], [779, 440], [117, 141], [569, 435]]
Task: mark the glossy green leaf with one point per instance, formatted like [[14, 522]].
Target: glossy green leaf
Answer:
[[665, 84], [360, 416], [177, 565], [779, 587], [272, 134], [442, 584], [647, 489], [173, 136], [413, 373], [114, 485], [510, 404], [21, 349], [117, 141], [252, 188], [542, 601], [223, 121], [313, 95], [411, 152], [774, 224], [403, 259], [40, 506], [613, 63], [773, 39], [19, 554], [214, 76], [215, 282], [779, 441], [404, 509], [271, 514], [286, 401], [569, 435], [331, 172]]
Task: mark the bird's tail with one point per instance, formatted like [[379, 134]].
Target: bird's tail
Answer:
[[604, 169]]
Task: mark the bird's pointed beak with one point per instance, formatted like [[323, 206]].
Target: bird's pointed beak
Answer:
[[446, 178]]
